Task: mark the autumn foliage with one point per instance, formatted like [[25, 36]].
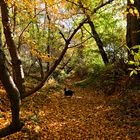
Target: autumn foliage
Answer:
[[83, 46]]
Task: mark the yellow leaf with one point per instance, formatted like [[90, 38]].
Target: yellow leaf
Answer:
[[132, 1], [136, 12], [37, 129], [131, 11]]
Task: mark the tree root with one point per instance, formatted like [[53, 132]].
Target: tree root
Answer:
[[8, 130]]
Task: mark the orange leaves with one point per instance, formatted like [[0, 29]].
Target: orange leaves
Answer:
[[35, 11], [34, 49], [87, 115], [42, 56], [63, 3]]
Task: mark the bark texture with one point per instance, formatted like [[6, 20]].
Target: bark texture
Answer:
[[13, 94], [16, 62], [98, 42], [133, 25]]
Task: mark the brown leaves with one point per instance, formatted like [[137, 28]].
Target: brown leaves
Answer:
[[87, 115]]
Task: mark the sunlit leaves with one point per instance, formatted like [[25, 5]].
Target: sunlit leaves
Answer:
[[35, 52], [133, 72], [132, 8], [134, 11], [135, 63], [132, 1]]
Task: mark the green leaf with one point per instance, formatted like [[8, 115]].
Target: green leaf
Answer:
[[136, 47], [131, 62], [132, 52], [127, 47], [130, 69], [1, 116], [135, 72], [137, 64], [136, 57], [131, 73]]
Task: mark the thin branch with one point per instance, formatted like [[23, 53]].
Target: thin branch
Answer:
[[102, 5], [28, 26], [80, 43], [62, 36]]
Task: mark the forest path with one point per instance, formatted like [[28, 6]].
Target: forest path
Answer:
[[87, 115], [70, 118]]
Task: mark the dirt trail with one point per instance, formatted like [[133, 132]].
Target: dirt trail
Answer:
[[85, 116]]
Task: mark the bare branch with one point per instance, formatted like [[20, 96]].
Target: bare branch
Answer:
[[62, 36], [28, 26], [81, 42]]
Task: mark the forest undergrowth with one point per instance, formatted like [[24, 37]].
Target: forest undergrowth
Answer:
[[87, 115]]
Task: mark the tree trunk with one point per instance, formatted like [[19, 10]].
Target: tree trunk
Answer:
[[41, 68], [13, 94], [16, 62], [47, 17], [133, 26], [99, 42]]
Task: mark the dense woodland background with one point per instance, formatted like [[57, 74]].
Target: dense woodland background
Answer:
[[89, 47]]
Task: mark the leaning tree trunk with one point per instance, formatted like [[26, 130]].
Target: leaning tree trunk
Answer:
[[13, 94], [133, 26], [98, 41], [16, 62]]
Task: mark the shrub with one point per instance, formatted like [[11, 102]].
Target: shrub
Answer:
[[114, 78]]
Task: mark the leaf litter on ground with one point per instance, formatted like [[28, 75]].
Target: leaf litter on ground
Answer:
[[86, 115]]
